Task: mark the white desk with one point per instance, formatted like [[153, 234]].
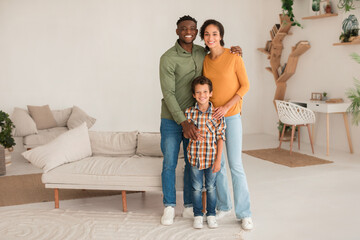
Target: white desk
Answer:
[[323, 107]]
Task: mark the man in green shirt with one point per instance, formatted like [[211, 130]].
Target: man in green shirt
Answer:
[[178, 67]]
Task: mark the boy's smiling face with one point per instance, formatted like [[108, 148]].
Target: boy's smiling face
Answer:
[[202, 93]]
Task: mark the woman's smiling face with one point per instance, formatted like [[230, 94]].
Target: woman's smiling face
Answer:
[[212, 36]]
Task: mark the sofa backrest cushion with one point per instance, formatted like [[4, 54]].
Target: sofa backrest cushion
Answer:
[[62, 116], [113, 143], [149, 144], [42, 116], [24, 124], [77, 117], [70, 146]]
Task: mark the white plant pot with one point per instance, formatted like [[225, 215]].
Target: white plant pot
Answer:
[[8, 156]]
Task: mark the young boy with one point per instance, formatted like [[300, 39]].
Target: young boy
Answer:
[[204, 155]]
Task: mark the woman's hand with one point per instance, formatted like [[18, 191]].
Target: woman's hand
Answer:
[[220, 112]]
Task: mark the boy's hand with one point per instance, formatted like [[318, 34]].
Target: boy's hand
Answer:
[[217, 165], [191, 131], [236, 50]]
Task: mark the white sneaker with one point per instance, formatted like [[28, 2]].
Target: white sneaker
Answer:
[[247, 223], [211, 221], [221, 214], [168, 216], [198, 222], [188, 212]]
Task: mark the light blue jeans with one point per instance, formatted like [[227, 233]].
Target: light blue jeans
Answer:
[[171, 137], [197, 177], [233, 143]]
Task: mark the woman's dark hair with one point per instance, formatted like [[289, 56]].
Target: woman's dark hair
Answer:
[[202, 80], [218, 25]]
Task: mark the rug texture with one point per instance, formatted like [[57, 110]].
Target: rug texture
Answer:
[[22, 189], [283, 157], [58, 224]]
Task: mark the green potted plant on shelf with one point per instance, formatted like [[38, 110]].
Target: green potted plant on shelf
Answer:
[[347, 5], [354, 95], [6, 138], [288, 10]]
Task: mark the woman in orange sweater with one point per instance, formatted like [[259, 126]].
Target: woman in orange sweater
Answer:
[[230, 84]]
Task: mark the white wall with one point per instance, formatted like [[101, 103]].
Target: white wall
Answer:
[[103, 55], [323, 67]]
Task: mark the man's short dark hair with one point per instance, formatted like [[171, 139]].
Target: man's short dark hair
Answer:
[[218, 25], [202, 80], [185, 18]]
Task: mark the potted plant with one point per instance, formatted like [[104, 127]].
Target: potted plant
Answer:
[[287, 133], [354, 95], [350, 27], [347, 5], [6, 138], [324, 97], [288, 10]]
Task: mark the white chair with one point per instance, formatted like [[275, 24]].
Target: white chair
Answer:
[[291, 114]]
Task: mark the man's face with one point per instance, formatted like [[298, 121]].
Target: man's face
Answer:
[[187, 31]]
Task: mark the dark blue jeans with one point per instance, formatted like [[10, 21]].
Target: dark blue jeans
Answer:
[[171, 137], [197, 186]]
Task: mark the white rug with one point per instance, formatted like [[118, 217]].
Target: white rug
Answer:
[[65, 224]]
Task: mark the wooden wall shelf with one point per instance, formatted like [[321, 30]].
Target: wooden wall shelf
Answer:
[[282, 74], [321, 16], [346, 43]]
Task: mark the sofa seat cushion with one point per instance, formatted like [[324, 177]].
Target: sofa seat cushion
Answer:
[[43, 136], [129, 173]]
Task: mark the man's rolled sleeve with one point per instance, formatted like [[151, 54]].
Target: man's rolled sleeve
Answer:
[[167, 82]]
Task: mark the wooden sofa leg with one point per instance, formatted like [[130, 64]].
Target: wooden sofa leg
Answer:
[[123, 195], [204, 201], [56, 192]]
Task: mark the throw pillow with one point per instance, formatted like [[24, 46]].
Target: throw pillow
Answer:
[[62, 116], [24, 124], [113, 143], [70, 146], [42, 116], [77, 117]]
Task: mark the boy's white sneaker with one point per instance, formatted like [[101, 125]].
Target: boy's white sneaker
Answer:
[[198, 222], [221, 214], [168, 216], [247, 223], [211, 221], [188, 212]]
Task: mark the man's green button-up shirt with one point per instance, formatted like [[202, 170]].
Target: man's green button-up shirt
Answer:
[[177, 70]]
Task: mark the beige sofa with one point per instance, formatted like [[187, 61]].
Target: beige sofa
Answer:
[[126, 161], [39, 125]]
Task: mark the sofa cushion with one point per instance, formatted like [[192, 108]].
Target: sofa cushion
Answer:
[[70, 146], [42, 116], [43, 137], [149, 144], [131, 173], [77, 117], [24, 124], [62, 116], [113, 143]]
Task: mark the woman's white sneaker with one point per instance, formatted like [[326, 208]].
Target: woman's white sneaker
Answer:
[[211, 221], [198, 222], [168, 216], [247, 223]]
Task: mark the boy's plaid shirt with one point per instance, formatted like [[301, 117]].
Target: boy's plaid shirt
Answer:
[[202, 154]]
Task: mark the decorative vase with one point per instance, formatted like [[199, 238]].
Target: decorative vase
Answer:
[[315, 6], [8, 156], [2, 161]]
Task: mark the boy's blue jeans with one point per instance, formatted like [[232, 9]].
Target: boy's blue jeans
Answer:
[[197, 186], [171, 137]]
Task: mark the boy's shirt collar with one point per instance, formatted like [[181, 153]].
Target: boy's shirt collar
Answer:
[[209, 110]]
